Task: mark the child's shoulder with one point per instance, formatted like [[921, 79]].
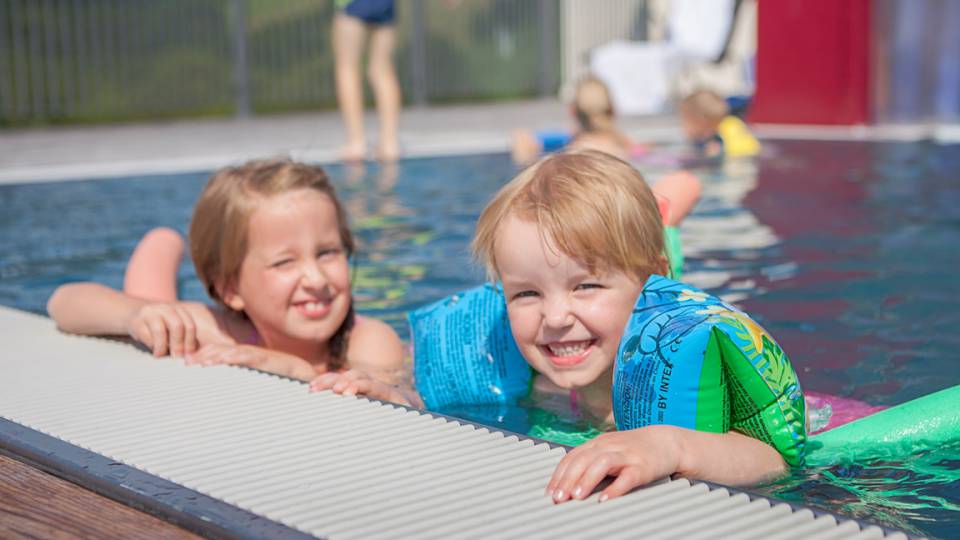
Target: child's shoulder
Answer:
[[375, 342]]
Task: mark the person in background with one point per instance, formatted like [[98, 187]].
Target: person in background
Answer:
[[593, 112], [595, 119], [354, 21], [708, 124]]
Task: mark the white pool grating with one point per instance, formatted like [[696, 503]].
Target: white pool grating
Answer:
[[341, 467]]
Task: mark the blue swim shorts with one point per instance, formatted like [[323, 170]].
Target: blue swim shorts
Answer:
[[369, 11]]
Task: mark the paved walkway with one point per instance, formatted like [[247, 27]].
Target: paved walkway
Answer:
[[76, 152]]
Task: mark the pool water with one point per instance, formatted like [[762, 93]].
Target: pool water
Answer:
[[847, 252]]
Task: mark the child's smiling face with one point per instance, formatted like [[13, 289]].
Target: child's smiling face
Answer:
[[567, 321], [294, 281]]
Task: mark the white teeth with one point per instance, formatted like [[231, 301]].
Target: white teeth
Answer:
[[312, 306], [568, 349]]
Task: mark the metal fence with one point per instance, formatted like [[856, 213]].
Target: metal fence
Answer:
[[90, 60]]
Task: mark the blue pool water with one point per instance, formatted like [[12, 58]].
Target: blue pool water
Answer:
[[847, 252]]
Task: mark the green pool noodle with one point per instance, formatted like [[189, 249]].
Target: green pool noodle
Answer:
[[926, 422], [674, 250]]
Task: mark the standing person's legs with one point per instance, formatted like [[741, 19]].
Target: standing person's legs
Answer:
[[349, 35], [386, 90], [152, 270]]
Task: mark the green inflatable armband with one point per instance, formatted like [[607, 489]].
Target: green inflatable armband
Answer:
[[687, 359]]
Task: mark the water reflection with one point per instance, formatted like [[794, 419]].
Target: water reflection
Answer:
[[846, 252], [917, 493], [382, 227]]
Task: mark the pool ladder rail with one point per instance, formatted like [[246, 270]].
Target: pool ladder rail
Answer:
[[238, 453]]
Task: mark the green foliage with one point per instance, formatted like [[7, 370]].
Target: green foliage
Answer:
[[64, 61]]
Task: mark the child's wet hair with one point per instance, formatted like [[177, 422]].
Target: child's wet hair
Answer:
[[595, 208], [592, 105], [221, 220], [704, 105]]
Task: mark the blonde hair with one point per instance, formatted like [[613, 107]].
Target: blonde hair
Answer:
[[705, 106], [596, 209], [593, 106], [221, 221]]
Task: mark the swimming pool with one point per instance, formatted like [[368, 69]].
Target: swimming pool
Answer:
[[845, 251]]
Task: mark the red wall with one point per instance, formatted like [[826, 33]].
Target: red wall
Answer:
[[813, 61]]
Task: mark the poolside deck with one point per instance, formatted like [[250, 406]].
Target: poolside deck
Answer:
[[59, 153], [76, 152]]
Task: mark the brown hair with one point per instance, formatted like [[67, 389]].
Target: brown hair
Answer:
[[593, 109], [221, 220], [592, 105], [705, 106], [597, 210]]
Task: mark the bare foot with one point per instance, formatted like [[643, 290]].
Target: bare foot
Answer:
[[353, 152], [388, 152]]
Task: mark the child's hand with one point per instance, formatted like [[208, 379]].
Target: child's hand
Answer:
[[358, 383], [254, 357], [165, 328], [635, 457], [175, 328]]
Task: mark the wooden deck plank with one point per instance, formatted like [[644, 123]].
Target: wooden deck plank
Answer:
[[35, 504]]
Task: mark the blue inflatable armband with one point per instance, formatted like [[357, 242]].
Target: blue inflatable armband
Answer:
[[551, 141], [464, 352]]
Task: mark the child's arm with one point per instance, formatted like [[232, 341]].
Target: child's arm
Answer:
[[252, 356], [174, 328], [639, 456], [682, 189], [376, 361], [373, 347], [358, 383], [524, 147]]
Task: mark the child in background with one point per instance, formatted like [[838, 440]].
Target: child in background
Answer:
[[573, 239], [707, 123], [271, 244], [593, 110]]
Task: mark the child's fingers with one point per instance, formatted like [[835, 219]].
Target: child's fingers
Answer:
[[201, 355], [571, 475], [559, 473], [358, 387], [214, 354], [341, 385], [346, 379], [629, 478], [140, 331], [190, 343], [593, 475], [207, 355], [175, 331], [158, 336], [324, 381]]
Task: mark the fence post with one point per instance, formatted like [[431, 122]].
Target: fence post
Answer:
[[547, 13], [418, 53], [241, 77]]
